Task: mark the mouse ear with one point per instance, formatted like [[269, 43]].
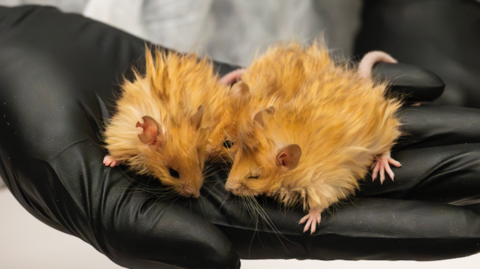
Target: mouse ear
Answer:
[[259, 118], [289, 156], [196, 119], [239, 89], [204, 134], [202, 140], [151, 134], [270, 110]]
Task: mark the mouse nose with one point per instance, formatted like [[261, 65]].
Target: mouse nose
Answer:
[[228, 186], [231, 187], [190, 192], [195, 194]]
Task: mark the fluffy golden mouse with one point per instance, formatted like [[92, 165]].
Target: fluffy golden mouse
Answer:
[[163, 120], [313, 147]]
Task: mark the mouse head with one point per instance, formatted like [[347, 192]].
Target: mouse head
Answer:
[[260, 161], [223, 141], [175, 151]]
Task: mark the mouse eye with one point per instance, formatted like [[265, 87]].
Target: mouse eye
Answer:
[[174, 173], [227, 144], [255, 174]]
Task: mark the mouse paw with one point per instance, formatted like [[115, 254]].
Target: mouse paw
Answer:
[[381, 165], [312, 218], [110, 161]]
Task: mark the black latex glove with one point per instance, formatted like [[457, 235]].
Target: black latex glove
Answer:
[[441, 35], [59, 79]]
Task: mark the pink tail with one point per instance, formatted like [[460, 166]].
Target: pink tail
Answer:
[[370, 59]]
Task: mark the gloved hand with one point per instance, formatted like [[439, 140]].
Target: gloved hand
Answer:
[[59, 79], [438, 35]]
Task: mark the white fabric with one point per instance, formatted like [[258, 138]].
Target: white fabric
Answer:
[[123, 14], [66, 5], [227, 30]]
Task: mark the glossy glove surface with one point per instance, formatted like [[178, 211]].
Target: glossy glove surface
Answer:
[[441, 36]]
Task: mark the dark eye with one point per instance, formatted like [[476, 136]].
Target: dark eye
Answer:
[[254, 176], [228, 144], [174, 173]]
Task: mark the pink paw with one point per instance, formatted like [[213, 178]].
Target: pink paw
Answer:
[[110, 161], [383, 164], [314, 216]]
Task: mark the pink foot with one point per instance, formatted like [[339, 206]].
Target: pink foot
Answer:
[[314, 216], [383, 164], [110, 161]]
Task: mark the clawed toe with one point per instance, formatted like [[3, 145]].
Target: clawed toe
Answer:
[[312, 218], [382, 165], [110, 161]]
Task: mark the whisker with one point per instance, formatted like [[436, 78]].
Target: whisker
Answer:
[[202, 207], [266, 218]]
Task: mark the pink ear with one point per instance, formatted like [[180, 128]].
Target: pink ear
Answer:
[[270, 110], [239, 89], [259, 118], [196, 119], [151, 134], [289, 156]]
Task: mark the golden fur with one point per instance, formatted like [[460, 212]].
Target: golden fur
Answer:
[[272, 79], [341, 122], [171, 92]]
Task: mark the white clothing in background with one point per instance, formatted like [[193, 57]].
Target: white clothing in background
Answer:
[[227, 30]]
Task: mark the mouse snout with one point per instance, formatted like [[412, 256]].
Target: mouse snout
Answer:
[[229, 186], [189, 191], [236, 189]]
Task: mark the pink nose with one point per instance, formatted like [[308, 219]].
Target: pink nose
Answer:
[[188, 191], [233, 188], [229, 186], [192, 195]]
